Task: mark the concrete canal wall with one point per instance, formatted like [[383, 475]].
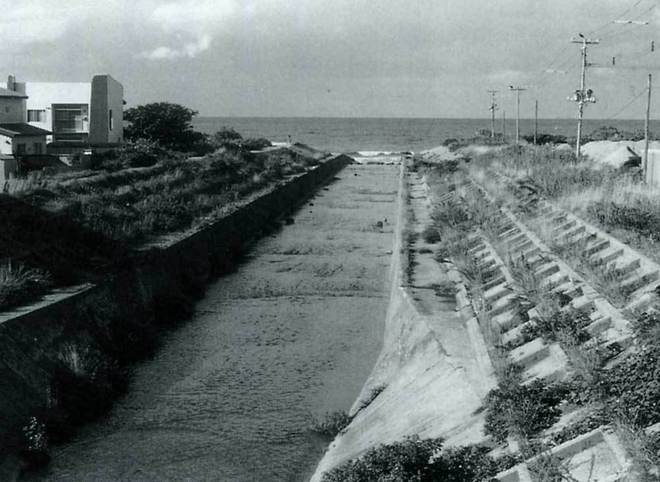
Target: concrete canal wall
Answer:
[[151, 285]]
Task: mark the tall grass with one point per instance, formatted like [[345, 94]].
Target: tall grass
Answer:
[[20, 284], [132, 204]]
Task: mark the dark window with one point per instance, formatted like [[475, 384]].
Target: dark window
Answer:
[[38, 148], [36, 115], [20, 149], [110, 120]]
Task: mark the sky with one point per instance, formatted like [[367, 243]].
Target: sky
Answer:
[[341, 58]]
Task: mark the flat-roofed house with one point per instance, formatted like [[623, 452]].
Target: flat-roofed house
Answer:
[[80, 115]]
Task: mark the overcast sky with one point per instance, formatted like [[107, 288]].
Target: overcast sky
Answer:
[[344, 58]]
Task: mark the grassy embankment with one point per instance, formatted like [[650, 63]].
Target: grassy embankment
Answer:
[[141, 192], [612, 388]]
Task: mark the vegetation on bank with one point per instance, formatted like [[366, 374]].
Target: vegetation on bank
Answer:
[[172, 194], [19, 284], [420, 460], [146, 188], [609, 386]]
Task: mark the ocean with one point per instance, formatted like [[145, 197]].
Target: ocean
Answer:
[[391, 135]]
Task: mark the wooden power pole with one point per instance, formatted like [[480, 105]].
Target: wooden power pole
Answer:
[[583, 95], [517, 91], [536, 120], [504, 125], [645, 163], [493, 106]]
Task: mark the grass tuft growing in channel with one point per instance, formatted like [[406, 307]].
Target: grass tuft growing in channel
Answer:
[[20, 284]]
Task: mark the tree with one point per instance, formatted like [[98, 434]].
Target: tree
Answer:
[[168, 124]]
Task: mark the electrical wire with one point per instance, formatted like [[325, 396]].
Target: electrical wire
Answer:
[[628, 104]]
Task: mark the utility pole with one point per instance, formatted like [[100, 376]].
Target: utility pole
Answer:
[[517, 91], [581, 96], [493, 106], [504, 125], [536, 120], [646, 131]]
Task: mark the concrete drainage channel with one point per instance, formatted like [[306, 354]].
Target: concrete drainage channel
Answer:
[[415, 325]]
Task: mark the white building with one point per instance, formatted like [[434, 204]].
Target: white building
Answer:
[[17, 137], [80, 115]]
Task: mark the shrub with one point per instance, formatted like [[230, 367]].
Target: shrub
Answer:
[[521, 410], [256, 144], [332, 424], [35, 443], [638, 217], [419, 460], [227, 137], [84, 385], [20, 284], [139, 153], [546, 139], [373, 393], [565, 325], [631, 389], [647, 328], [168, 124], [431, 235]]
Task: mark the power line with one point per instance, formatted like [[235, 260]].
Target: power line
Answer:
[[628, 104]]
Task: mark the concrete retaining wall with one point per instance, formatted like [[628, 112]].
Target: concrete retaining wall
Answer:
[[143, 287], [431, 365]]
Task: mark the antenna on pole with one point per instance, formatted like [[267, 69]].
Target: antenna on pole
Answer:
[[582, 95], [493, 107]]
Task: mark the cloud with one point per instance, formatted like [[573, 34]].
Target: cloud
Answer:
[[190, 49], [24, 23], [190, 22]]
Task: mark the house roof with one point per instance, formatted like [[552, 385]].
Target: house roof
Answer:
[[11, 93], [22, 130]]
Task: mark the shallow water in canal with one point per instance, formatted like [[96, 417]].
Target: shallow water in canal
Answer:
[[292, 334]]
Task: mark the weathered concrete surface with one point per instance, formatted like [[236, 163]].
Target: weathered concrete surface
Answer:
[[31, 339], [432, 363], [295, 330]]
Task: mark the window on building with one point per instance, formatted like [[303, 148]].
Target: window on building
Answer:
[[36, 115], [111, 122], [69, 118], [38, 148], [20, 149]]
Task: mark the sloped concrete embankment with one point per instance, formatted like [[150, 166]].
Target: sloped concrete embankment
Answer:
[[433, 364], [150, 286]]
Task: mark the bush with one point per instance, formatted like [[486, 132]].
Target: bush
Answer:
[[35, 444], [256, 144], [631, 389], [227, 137], [431, 235], [168, 124], [332, 424], [418, 460], [139, 153], [565, 325], [638, 217], [373, 393], [521, 410], [84, 385], [542, 139], [20, 284]]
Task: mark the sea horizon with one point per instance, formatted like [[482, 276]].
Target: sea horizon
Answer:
[[351, 134]]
